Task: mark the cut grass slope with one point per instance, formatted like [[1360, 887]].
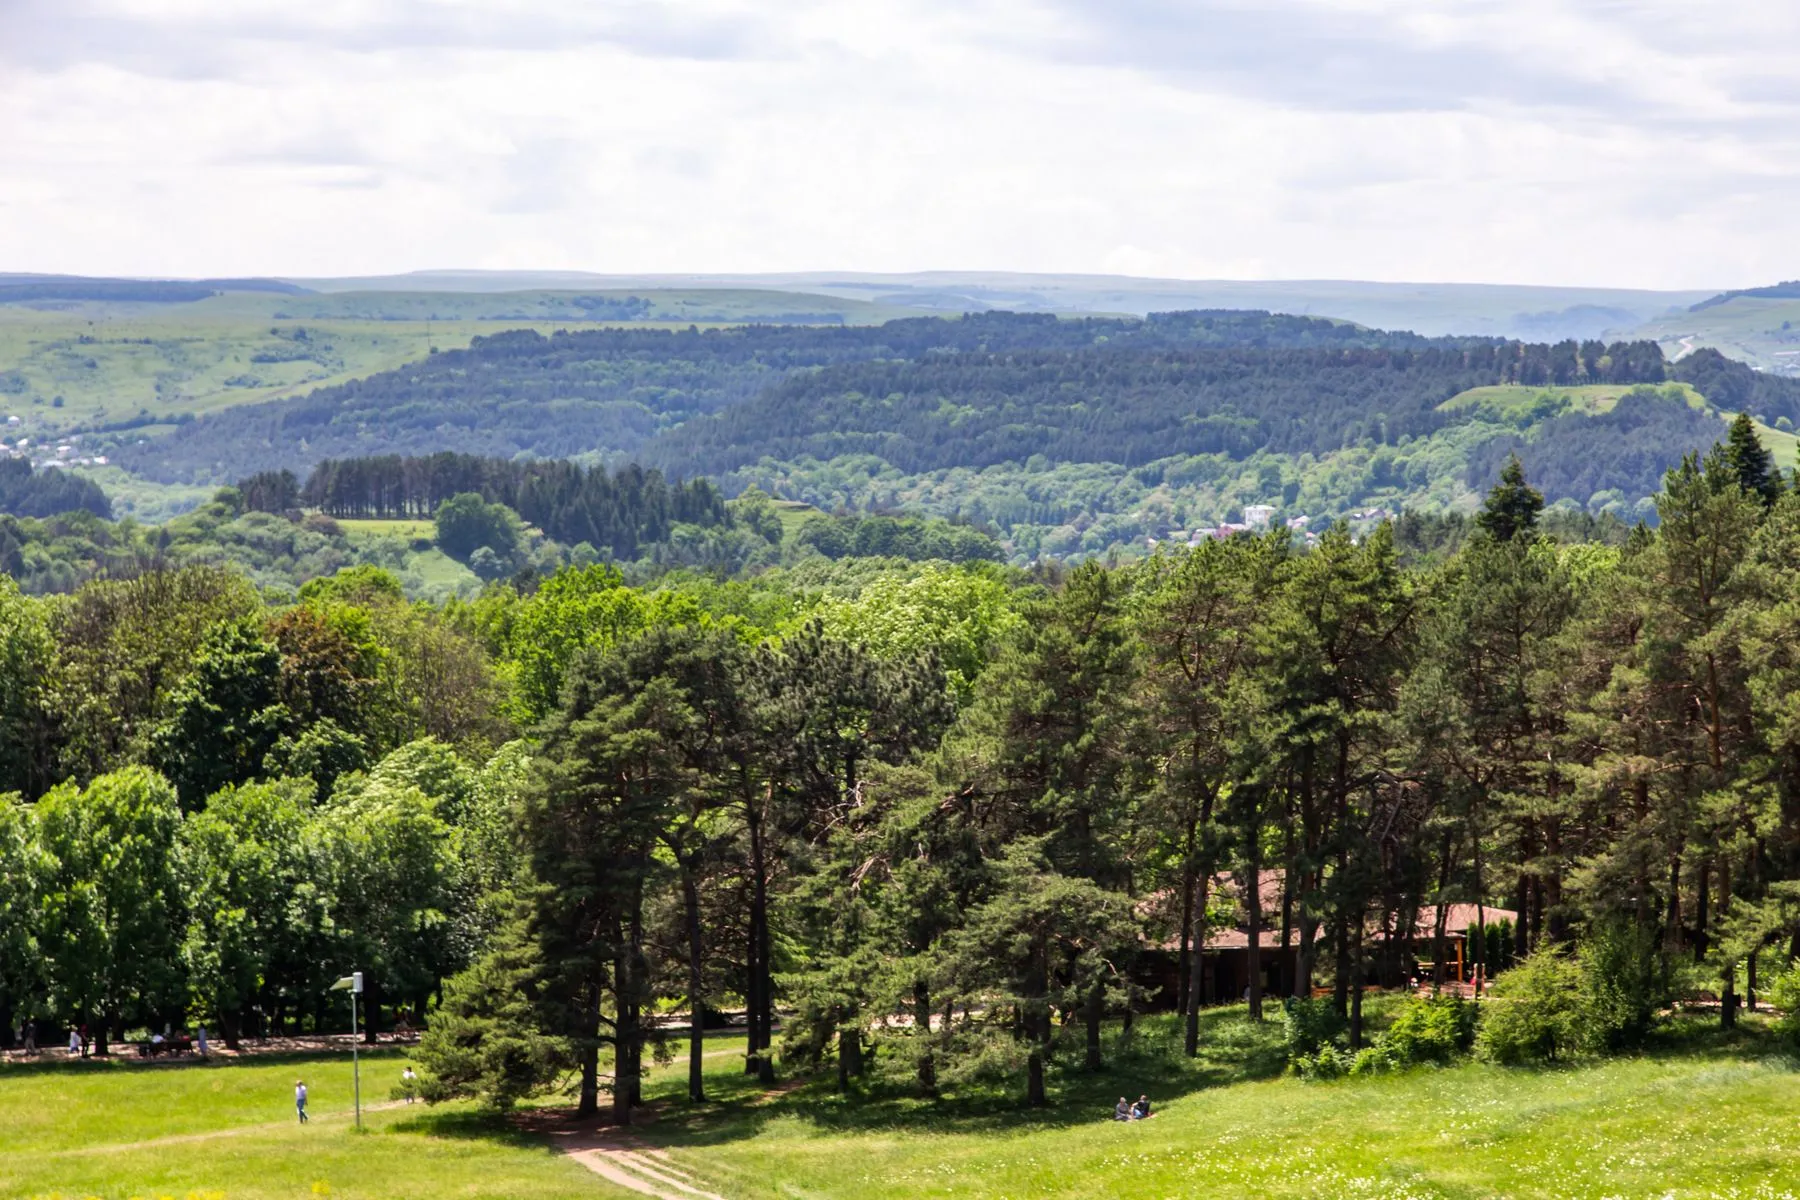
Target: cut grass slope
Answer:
[[227, 1131], [1700, 1117]]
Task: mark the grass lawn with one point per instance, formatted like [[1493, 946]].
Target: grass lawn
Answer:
[[1698, 1117], [227, 1131]]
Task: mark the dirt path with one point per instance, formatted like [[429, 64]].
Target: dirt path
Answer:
[[621, 1159]]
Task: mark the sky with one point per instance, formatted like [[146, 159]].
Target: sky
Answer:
[[1632, 143]]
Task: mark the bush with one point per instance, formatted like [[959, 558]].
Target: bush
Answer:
[[1327, 1063], [1784, 995], [1312, 1025], [1431, 1029], [1536, 1011], [1625, 984]]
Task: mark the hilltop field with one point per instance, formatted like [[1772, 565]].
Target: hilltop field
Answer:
[[87, 364], [1699, 1116]]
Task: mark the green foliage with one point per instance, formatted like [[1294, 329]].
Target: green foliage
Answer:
[[1626, 984], [485, 1041], [225, 716], [112, 904], [1512, 506], [466, 523], [1536, 1011], [1433, 1030], [1310, 1026]]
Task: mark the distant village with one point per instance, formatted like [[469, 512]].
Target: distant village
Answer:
[[1257, 519], [45, 454]]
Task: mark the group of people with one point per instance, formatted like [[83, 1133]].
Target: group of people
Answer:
[[1127, 1111]]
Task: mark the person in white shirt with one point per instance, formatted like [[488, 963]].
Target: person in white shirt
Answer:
[[300, 1099], [74, 1043], [202, 1041]]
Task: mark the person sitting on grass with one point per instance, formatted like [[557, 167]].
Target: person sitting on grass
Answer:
[[1122, 1111], [1141, 1109]]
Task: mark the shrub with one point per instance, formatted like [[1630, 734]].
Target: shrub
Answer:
[[1430, 1029], [1625, 983], [1327, 1063], [1784, 995], [1536, 1010], [1311, 1026]]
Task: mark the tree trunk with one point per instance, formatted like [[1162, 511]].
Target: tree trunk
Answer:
[[1183, 984], [927, 1063], [690, 893], [589, 1104], [625, 1035], [1356, 990], [1096, 1007], [1253, 948], [1196, 970]]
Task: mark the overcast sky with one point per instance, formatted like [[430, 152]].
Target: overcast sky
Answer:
[[1651, 143]]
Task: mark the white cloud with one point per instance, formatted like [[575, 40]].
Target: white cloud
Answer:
[[1629, 142]]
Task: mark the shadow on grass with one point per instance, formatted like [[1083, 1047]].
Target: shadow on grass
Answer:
[[57, 1063], [1149, 1062]]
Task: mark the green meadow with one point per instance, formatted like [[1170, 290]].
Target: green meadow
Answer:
[[150, 364], [1702, 1114]]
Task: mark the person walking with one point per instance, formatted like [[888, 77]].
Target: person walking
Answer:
[[300, 1099], [74, 1043], [30, 1038], [201, 1041], [409, 1085]]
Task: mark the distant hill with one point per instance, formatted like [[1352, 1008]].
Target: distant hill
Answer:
[[1068, 436], [1433, 309]]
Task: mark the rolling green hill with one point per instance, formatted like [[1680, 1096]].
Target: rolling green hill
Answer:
[[73, 364]]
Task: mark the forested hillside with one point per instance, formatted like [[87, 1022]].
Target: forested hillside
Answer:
[[930, 828], [1069, 437], [611, 390]]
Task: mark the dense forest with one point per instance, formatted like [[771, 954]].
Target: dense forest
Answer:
[[1066, 437], [619, 511], [614, 390], [28, 493], [927, 824]]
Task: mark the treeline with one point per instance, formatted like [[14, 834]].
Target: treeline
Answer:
[[1625, 450], [937, 819], [618, 511], [614, 389], [887, 536], [28, 493], [1122, 404]]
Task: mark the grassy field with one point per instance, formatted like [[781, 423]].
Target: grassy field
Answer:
[[1701, 1115], [411, 529], [1764, 333], [114, 362], [1511, 401], [228, 1132]]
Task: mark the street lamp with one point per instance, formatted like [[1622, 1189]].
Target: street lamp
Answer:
[[353, 982]]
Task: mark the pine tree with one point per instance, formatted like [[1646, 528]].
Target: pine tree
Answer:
[[1513, 506], [1751, 461]]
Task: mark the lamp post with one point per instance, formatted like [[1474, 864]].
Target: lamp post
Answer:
[[353, 982]]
